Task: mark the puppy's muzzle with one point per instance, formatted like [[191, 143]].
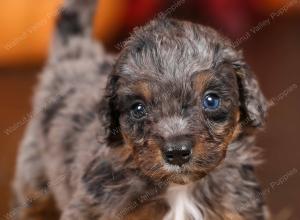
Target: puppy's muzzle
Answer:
[[178, 151]]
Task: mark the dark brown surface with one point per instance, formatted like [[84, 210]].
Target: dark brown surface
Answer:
[[273, 53], [15, 91]]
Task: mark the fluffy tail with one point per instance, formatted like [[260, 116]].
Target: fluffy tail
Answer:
[[75, 19]]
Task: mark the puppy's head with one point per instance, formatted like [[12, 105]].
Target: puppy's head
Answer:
[[178, 96]]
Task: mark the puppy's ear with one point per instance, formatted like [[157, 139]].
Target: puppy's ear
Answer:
[[109, 113], [253, 104]]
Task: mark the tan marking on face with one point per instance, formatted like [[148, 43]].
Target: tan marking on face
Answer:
[[198, 147], [200, 80], [147, 161], [150, 161], [142, 88], [236, 130], [237, 116], [153, 144], [128, 143], [200, 151], [124, 152], [233, 131], [232, 216], [154, 147]]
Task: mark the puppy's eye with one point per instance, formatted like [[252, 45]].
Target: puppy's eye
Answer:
[[138, 111], [211, 101]]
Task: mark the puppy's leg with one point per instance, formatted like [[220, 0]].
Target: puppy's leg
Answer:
[[74, 212], [32, 198], [81, 208]]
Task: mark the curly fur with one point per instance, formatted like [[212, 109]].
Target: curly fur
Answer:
[[84, 157]]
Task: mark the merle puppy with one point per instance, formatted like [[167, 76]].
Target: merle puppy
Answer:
[[163, 131]]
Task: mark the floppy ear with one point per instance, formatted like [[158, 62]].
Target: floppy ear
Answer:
[[252, 101], [109, 113]]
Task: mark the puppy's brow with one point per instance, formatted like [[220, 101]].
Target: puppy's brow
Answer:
[[142, 88], [200, 80]]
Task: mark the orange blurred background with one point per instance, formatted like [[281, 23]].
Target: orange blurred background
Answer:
[[27, 24], [272, 49]]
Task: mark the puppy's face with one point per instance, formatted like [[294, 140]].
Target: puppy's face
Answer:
[[176, 100]]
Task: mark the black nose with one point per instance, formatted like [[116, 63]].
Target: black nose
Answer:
[[178, 152]]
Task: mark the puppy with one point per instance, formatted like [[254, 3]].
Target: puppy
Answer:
[[162, 131]]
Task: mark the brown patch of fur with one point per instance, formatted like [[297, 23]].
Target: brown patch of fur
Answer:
[[200, 80], [142, 88], [153, 210], [154, 157], [235, 131], [199, 148], [232, 216]]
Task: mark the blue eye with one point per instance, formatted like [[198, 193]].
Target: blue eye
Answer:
[[211, 101]]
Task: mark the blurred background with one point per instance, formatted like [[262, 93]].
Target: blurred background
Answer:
[[268, 31]]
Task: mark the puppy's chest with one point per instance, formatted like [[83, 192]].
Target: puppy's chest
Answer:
[[182, 204], [176, 204]]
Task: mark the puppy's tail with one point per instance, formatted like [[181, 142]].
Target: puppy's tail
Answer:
[[75, 19]]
